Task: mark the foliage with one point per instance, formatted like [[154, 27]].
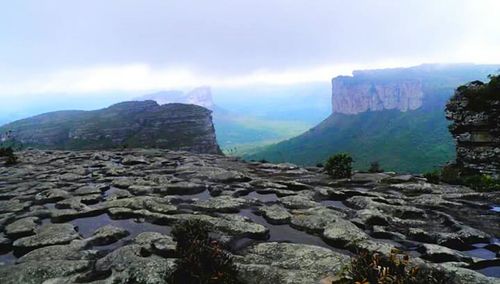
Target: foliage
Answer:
[[202, 260], [9, 153], [375, 167], [339, 165], [433, 176], [393, 138], [480, 94], [451, 174], [483, 183], [374, 268]]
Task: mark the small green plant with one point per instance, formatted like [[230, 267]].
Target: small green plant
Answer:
[[339, 165], [374, 268], [9, 153], [451, 174], [202, 260], [483, 183], [375, 167], [433, 176]]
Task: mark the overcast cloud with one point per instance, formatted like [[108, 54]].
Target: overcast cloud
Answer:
[[84, 46]]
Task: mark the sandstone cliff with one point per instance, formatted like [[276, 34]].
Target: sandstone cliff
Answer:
[[352, 95], [127, 124], [475, 112]]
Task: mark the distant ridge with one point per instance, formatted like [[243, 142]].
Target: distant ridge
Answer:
[[135, 124]]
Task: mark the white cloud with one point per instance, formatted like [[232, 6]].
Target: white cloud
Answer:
[[142, 77]]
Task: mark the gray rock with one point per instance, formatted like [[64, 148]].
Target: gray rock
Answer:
[[438, 253], [129, 266], [221, 204], [36, 272], [275, 214], [72, 251], [50, 234], [288, 263], [107, 234], [22, 227], [298, 202]]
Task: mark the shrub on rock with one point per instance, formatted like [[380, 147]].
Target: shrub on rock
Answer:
[[202, 260], [374, 268], [339, 166]]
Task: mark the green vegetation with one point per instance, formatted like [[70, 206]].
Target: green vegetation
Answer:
[[375, 168], [482, 93], [374, 268], [453, 174], [202, 260], [413, 141], [339, 165], [9, 154], [433, 176], [483, 183]]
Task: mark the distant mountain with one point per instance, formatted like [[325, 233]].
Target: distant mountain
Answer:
[[201, 96], [394, 116], [132, 124], [257, 115]]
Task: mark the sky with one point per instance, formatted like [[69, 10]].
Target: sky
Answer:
[[95, 47]]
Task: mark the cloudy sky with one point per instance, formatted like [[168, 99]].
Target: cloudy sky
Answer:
[[96, 46]]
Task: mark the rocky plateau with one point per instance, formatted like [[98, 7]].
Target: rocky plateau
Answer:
[[106, 217]]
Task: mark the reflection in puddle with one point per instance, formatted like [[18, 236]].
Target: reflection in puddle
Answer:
[[87, 226], [285, 233], [204, 195], [7, 258], [493, 271], [480, 253], [334, 203], [268, 197]]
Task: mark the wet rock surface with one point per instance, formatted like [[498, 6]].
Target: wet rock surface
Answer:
[[101, 216]]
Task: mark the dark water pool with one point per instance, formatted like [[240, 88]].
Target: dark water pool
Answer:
[[267, 197], [87, 226], [285, 233]]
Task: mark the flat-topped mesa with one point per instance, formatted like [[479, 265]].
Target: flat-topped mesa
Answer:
[[133, 124], [357, 94], [475, 112]]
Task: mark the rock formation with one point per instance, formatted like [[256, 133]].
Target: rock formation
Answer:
[[475, 115], [128, 124], [352, 95], [106, 216]]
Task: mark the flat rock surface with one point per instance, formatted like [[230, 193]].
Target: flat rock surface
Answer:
[[67, 216]]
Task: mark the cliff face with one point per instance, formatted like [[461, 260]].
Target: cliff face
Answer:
[[131, 124], [476, 128], [351, 95]]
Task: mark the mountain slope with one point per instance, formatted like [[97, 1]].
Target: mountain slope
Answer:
[[394, 116]]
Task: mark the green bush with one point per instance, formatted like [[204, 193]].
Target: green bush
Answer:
[[374, 268], [375, 167], [451, 174], [339, 165], [202, 260], [483, 183], [9, 153], [433, 176]]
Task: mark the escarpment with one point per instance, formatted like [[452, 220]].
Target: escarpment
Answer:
[[352, 95], [475, 113], [132, 124]]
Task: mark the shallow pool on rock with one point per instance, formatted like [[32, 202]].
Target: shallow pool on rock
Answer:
[[87, 226]]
